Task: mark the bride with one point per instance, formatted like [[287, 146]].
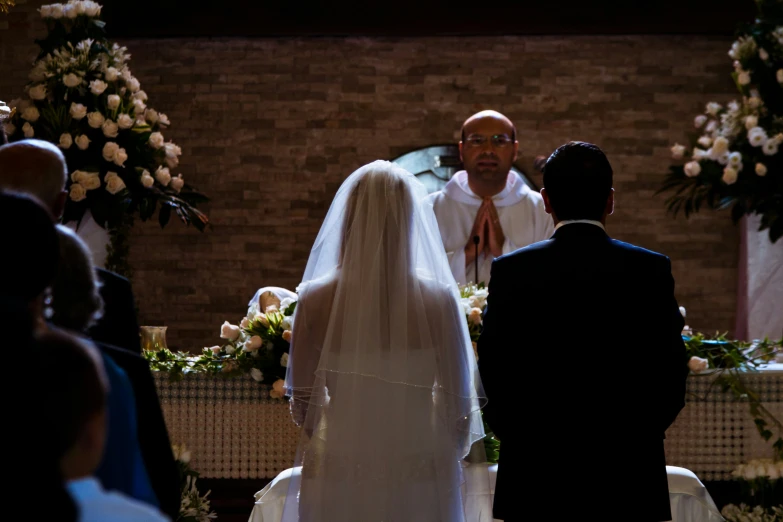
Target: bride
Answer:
[[382, 377]]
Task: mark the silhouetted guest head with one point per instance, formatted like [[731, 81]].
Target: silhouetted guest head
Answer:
[[578, 183]]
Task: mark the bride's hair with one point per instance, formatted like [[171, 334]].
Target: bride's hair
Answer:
[[383, 190]]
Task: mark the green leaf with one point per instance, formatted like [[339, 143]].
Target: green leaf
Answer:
[[164, 215]]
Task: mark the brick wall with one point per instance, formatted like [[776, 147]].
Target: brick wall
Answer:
[[269, 129]]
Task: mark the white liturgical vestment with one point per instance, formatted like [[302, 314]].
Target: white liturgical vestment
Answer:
[[521, 212]]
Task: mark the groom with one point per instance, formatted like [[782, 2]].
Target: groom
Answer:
[[597, 321]]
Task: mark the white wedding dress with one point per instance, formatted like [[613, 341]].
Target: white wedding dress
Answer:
[[382, 376]]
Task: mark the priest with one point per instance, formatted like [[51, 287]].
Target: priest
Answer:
[[487, 210]]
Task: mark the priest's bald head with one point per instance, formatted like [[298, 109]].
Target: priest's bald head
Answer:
[[488, 149], [35, 167]]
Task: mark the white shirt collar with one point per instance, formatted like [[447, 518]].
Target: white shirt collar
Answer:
[[571, 221]]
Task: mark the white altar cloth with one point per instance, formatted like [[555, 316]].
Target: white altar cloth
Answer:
[[690, 501]]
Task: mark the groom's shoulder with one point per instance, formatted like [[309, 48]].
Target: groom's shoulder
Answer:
[[529, 254], [639, 254]]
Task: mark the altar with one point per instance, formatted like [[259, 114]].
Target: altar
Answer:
[[236, 431]]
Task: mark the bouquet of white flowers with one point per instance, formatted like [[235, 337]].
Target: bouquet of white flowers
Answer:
[[194, 507], [83, 98], [733, 160]]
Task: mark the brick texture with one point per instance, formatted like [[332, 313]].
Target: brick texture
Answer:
[[270, 127]]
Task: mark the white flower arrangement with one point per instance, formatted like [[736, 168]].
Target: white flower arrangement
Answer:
[[257, 346], [194, 507], [82, 92], [759, 469], [744, 513], [734, 158]]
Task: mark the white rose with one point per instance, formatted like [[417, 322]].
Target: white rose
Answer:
[[125, 72], [711, 126], [720, 145], [140, 95], [163, 176], [761, 169], [764, 55], [253, 344], [31, 114], [779, 75], [57, 11], [69, 10], [705, 141], [743, 78], [80, 8], [92, 8], [754, 102], [163, 119], [111, 74], [78, 175], [134, 85], [256, 374], [230, 349], [110, 129], [171, 161], [114, 183], [156, 140], [699, 154], [46, 11], [699, 120], [90, 180], [120, 157], [682, 311], [77, 193], [151, 115], [757, 136], [678, 151], [215, 349], [98, 86], [113, 101], [770, 148], [229, 331], [722, 158], [10, 128], [692, 169], [66, 140], [697, 364], [124, 121], [729, 175], [713, 108], [139, 106], [78, 111], [109, 150], [773, 472], [735, 159], [286, 323], [244, 323], [71, 80], [475, 316], [172, 151], [284, 360], [146, 179], [95, 119], [28, 130], [38, 92], [751, 121], [177, 183]]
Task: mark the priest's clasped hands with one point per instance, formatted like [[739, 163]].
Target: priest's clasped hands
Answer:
[[487, 227]]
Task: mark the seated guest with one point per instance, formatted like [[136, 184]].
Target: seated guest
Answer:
[[76, 304], [37, 167], [72, 386]]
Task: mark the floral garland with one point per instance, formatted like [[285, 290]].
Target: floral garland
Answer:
[[193, 507], [83, 98], [733, 160], [258, 345]]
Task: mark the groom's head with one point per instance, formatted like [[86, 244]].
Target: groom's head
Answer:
[[578, 183]]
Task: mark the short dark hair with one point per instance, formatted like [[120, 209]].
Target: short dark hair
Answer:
[[578, 180]]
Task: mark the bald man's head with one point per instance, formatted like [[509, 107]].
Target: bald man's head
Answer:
[[35, 167], [488, 149]]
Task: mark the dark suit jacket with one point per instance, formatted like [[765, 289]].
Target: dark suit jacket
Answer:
[[584, 368], [119, 325], [153, 435]]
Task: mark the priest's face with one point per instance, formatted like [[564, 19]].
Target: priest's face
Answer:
[[488, 148]]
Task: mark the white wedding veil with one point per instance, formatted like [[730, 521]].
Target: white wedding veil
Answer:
[[382, 376]]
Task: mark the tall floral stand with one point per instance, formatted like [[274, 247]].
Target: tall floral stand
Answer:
[[760, 299]]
